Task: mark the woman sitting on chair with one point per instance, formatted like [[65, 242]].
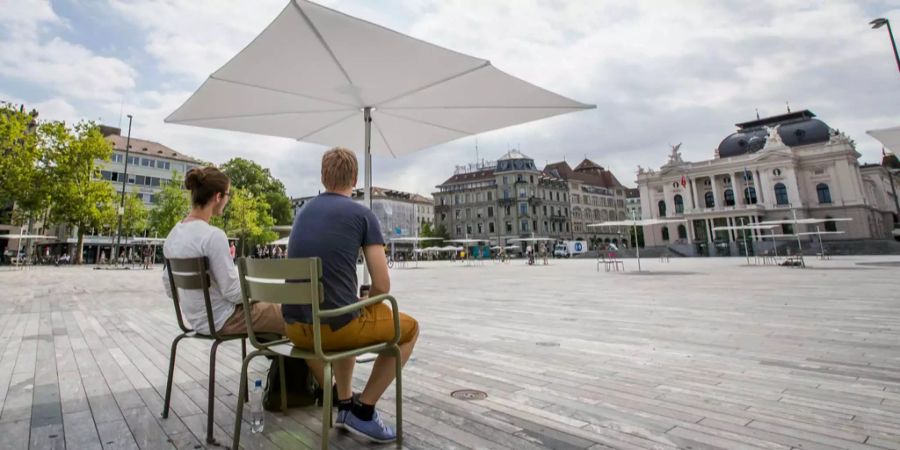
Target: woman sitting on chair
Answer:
[[194, 237]]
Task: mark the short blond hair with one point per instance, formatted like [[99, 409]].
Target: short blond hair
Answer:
[[339, 169]]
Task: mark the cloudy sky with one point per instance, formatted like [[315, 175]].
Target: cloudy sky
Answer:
[[660, 72]]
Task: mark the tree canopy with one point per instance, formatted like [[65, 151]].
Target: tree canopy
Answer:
[[260, 184], [172, 204], [79, 195]]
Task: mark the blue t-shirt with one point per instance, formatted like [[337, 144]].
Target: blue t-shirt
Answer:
[[332, 227]]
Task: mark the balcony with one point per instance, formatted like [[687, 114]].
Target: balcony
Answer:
[[441, 208], [558, 218], [507, 201], [535, 201]]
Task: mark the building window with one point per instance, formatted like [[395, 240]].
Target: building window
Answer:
[[710, 200], [458, 230], [665, 233], [823, 192], [469, 229], [750, 195], [682, 232], [505, 180], [490, 196], [506, 193], [523, 226], [729, 197], [491, 227], [523, 208], [458, 212], [575, 198], [480, 228], [781, 197], [679, 204], [787, 228], [776, 172], [662, 208], [490, 211], [508, 227], [468, 213], [830, 225], [546, 226]]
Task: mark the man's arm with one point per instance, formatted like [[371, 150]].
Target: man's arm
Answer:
[[377, 264]]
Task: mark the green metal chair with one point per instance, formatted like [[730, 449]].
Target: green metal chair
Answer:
[[299, 282], [193, 274]]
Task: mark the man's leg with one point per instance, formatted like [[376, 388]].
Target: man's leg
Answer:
[[343, 375], [383, 372]]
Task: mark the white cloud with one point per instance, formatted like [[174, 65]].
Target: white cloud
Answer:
[[660, 73]]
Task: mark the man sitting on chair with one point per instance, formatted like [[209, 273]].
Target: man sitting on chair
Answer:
[[194, 237], [333, 227]]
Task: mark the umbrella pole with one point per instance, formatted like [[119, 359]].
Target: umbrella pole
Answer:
[[367, 117]]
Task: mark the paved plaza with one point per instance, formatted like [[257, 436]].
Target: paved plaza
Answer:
[[697, 353]]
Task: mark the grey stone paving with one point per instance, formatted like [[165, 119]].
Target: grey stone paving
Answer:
[[698, 353]]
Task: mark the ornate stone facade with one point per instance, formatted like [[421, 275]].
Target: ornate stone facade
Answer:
[[770, 169]]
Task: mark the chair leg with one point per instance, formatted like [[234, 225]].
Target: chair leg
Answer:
[[165, 412], [283, 383], [244, 356], [210, 408], [239, 410], [326, 407], [398, 380]]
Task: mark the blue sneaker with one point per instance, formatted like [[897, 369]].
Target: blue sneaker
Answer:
[[375, 430], [341, 419]]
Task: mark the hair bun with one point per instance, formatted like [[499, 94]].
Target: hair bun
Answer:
[[194, 178]]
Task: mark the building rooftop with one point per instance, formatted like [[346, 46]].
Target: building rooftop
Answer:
[[144, 147], [776, 119], [588, 172], [380, 192]]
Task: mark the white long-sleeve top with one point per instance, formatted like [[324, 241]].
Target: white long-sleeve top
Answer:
[[192, 240]]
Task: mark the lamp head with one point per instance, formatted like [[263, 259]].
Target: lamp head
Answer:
[[878, 23]]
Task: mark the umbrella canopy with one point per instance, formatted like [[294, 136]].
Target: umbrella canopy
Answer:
[[26, 236], [282, 241], [314, 74], [532, 239], [889, 137], [415, 239]]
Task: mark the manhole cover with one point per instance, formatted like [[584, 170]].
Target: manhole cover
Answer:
[[547, 344], [468, 394]]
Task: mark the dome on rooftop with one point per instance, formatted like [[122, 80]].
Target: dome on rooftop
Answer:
[[515, 160]]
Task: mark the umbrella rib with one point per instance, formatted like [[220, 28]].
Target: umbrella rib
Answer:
[[435, 83], [269, 114], [407, 108], [327, 47], [329, 125], [384, 138], [281, 91], [423, 122]]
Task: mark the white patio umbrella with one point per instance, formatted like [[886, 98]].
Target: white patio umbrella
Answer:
[[634, 223], [889, 137], [318, 75]]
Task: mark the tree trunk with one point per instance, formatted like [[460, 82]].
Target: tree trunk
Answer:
[[79, 247]]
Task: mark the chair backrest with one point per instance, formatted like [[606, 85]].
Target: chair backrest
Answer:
[[190, 274], [291, 281]]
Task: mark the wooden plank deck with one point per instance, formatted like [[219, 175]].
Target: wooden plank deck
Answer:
[[700, 353]]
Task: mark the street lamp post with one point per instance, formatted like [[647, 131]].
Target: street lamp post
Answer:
[[880, 22], [121, 211]]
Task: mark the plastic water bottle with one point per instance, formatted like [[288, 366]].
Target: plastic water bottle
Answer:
[[257, 415]]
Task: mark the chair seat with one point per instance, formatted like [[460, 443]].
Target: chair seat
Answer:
[[292, 351]]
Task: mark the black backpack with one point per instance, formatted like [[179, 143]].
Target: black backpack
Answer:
[[298, 380]]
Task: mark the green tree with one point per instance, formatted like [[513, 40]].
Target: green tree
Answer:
[[79, 197], [260, 183], [441, 232], [248, 219], [136, 218], [23, 165], [172, 204]]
